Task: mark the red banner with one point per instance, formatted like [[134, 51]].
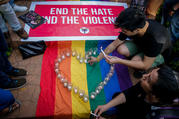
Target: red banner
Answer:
[[76, 20]]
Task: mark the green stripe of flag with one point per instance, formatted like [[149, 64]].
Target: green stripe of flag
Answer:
[[94, 78]]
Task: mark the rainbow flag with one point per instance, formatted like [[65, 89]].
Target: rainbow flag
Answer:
[[55, 100]]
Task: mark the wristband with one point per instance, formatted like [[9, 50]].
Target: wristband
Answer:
[[97, 59]]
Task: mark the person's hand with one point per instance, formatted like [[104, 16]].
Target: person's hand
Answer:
[[92, 60], [100, 109], [112, 59]]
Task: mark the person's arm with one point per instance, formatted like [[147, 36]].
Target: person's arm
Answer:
[[111, 47], [144, 64], [120, 99]]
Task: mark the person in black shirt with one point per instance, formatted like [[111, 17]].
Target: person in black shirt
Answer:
[[148, 40], [158, 87]]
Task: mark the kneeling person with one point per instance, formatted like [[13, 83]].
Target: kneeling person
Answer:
[[149, 40]]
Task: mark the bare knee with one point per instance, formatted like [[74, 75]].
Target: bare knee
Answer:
[[123, 50], [136, 58]]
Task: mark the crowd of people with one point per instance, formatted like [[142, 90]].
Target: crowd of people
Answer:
[[147, 48]]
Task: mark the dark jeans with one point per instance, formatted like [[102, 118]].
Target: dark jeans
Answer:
[[6, 99], [174, 26], [174, 19], [3, 43], [5, 65], [11, 2]]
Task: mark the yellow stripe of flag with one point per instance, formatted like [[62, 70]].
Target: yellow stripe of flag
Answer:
[[80, 109]]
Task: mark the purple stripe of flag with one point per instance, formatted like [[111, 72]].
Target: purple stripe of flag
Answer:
[[122, 73]]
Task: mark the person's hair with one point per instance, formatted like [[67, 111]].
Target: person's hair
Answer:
[[130, 19], [166, 88]]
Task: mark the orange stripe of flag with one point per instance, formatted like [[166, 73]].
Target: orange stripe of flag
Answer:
[[63, 102]]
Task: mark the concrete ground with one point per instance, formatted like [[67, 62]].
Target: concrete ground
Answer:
[[29, 94]]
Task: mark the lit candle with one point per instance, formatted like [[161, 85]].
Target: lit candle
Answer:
[[78, 57], [81, 60], [97, 91], [86, 61], [100, 87], [94, 53], [107, 79], [59, 60], [56, 65], [93, 94], [56, 70], [86, 56], [104, 82], [75, 89], [110, 74], [67, 54], [73, 53], [81, 94], [63, 56], [62, 79], [65, 84], [85, 99], [90, 53], [69, 87], [59, 75], [112, 68]]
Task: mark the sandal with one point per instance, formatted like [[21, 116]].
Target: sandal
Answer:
[[14, 106]]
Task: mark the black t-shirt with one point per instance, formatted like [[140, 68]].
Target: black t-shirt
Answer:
[[155, 40], [134, 92], [135, 107]]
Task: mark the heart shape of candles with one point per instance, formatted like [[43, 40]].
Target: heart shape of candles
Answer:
[[81, 59]]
